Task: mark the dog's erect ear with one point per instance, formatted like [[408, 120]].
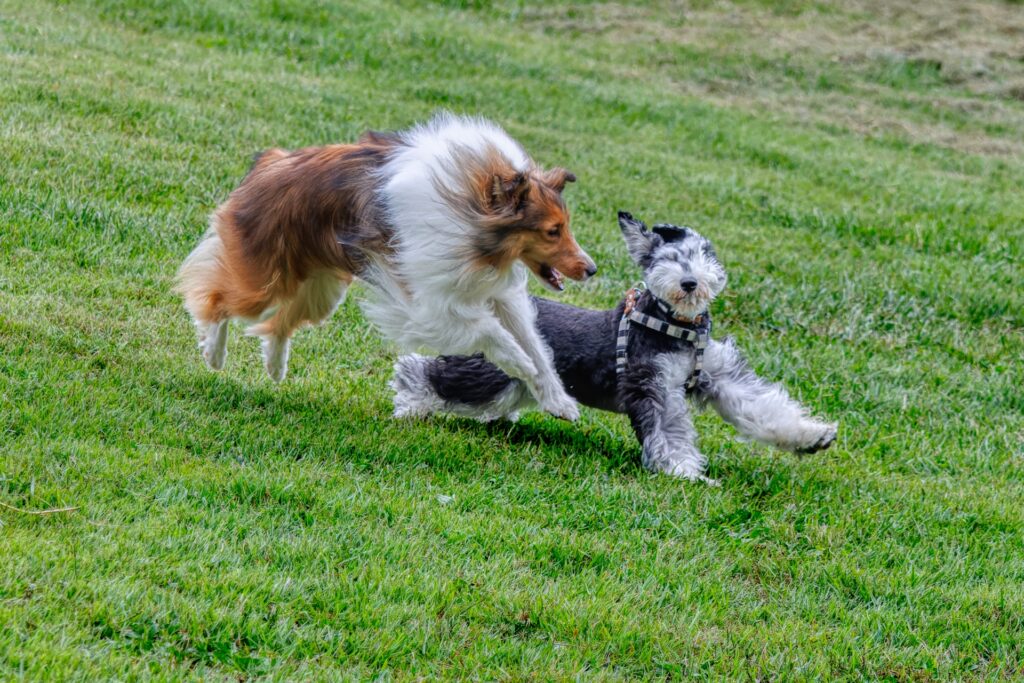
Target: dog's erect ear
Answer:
[[669, 232], [558, 177], [639, 242], [507, 193]]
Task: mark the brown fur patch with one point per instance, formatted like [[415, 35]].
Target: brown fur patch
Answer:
[[516, 214], [294, 214]]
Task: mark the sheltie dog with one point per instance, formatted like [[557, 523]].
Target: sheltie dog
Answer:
[[438, 220]]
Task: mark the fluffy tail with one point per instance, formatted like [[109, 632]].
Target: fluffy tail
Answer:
[[198, 278], [462, 385]]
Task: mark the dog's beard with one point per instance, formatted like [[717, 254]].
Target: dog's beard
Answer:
[[689, 304]]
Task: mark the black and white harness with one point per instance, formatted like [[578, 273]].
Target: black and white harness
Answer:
[[696, 332]]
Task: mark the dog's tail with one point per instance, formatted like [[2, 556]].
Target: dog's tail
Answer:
[[198, 279], [469, 386]]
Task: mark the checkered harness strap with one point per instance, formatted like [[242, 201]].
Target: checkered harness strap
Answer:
[[699, 339]]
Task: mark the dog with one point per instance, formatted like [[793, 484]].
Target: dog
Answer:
[[644, 358], [444, 220]]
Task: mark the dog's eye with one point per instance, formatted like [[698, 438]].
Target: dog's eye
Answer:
[[553, 232]]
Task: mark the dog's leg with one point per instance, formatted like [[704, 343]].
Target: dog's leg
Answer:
[[276, 349], [467, 329], [499, 347], [758, 409], [469, 386], [201, 281], [446, 324], [213, 343], [663, 425], [519, 318], [315, 300], [470, 329]]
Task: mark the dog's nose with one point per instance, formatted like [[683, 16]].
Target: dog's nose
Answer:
[[590, 271], [688, 284]]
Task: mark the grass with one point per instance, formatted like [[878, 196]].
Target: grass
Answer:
[[861, 180]]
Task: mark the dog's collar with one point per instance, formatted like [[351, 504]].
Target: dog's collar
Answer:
[[667, 310], [696, 331]]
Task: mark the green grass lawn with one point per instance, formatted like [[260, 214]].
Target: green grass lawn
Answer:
[[859, 167]]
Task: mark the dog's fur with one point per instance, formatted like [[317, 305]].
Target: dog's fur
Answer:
[[438, 218], [681, 270]]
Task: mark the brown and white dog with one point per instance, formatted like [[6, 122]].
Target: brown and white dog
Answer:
[[439, 220]]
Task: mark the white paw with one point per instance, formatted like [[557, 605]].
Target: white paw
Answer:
[[213, 354], [213, 345], [690, 473], [276, 369], [275, 358], [823, 436], [562, 406]]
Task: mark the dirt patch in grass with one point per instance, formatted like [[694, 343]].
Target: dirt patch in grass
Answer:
[[964, 41], [942, 72], [869, 118]]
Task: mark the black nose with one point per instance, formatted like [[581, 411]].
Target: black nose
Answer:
[[688, 284], [590, 271]]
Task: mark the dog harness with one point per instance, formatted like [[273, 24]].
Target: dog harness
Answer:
[[698, 336]]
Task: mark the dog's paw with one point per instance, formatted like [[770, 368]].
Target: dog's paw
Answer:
[[563, 407], [825, 437], [213, 344], [275, 358], [213, 354], [276, 371], [687, 472]]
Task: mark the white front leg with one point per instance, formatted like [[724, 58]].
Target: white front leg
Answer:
[[499, 346], [759, 409], [518, 316]]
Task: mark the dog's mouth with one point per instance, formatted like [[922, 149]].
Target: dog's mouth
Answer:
[[688, 305], [551, 277]]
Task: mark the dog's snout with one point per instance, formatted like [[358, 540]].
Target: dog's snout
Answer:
[[585, 266], [688, 284]]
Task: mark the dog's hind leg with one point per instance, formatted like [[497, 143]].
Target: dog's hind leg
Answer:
[[214, 344], [468, 386], [315, 300], [201, 280], [759, 410]]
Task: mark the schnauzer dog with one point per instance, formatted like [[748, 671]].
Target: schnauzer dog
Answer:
[[643, 358]]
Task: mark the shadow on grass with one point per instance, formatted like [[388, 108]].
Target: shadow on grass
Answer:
[[351, 424], [567, 439]]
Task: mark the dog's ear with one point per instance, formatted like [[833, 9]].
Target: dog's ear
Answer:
[[669, 232], [558, 177], [507, 193], [639, 241]]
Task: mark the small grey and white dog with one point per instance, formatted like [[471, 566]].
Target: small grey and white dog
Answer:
[[644, 358]]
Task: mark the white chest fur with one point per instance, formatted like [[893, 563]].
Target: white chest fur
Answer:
[[675, 369]]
